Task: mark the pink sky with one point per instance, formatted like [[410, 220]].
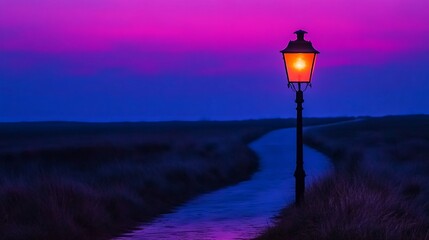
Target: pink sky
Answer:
[[195, 38], [61, 26]]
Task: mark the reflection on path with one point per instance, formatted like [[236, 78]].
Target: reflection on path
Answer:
[[241, 211]]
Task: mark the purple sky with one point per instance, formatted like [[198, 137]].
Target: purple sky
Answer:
[[114, 60]]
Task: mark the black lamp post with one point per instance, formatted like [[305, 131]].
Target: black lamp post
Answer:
[[299, 57]]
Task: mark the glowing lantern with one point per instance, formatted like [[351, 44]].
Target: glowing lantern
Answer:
[[299, 57]]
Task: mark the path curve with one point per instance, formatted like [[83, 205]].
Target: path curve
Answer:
[[244, 210]]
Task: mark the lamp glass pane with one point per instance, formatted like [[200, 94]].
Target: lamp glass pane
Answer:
[[299, 66]]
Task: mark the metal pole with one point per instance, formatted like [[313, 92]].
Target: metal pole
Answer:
[[299, 171]]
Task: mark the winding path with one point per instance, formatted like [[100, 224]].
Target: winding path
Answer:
[[241, 211]]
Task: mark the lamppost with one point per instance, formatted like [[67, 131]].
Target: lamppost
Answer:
[[299, 57]]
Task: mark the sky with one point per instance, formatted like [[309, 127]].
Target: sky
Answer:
[[145, 60]]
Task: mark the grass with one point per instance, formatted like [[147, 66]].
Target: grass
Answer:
[[379, 190], [64, 180]]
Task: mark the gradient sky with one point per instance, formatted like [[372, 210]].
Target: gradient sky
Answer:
[[130, 60]]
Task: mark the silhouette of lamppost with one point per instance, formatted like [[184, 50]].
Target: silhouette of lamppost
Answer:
[[299, 58]]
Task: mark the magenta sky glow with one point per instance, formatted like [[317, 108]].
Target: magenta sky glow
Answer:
[[106, 60]]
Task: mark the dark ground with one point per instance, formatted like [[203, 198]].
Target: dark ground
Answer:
[[379, 190], [72, 180]]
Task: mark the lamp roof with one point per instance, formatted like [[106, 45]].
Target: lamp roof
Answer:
[[300, 45]]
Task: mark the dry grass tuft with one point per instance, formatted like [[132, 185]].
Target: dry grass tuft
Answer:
[[380, 189]]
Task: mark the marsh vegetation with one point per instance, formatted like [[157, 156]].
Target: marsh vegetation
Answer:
[[65, 180], [380, 189]]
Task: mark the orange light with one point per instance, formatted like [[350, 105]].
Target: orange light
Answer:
[[299, 66], [299, 58]]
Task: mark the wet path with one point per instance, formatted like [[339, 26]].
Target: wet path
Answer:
[[243, 210]]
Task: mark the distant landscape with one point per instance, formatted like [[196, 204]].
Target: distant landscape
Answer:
[[380, 189], [72, 180]]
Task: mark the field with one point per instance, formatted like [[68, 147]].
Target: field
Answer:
[[380, 187], [71, 180]]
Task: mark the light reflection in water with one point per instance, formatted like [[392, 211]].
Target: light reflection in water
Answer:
[[244, 210]]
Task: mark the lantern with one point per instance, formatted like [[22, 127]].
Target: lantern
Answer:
[[299, 57]]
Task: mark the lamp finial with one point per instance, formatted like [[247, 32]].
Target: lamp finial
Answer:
[[300, 35]]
